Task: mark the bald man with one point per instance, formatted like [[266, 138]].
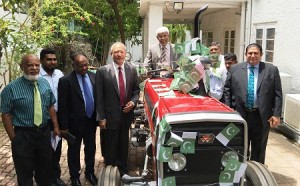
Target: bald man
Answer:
[[30, 137]]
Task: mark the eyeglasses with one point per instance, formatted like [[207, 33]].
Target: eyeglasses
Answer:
[[162, 36], [82, 66]]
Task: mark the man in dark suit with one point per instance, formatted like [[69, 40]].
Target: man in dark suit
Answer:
[[263, 110], [161, 54], [117, 93], [77, 115]]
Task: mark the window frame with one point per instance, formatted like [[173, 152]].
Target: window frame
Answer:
[[206, 41], [229, 41], [268, 44]]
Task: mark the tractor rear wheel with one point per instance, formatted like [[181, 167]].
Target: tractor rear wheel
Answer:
[[109, 175], [258, 174]]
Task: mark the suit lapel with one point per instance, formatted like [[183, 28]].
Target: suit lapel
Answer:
[[244, 76], [76, 84], [114, 78], [158, 51], [127, 74], [261, 74], [92, 77]]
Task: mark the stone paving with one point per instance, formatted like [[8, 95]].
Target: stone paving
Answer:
[[8, 173], [283, 160]]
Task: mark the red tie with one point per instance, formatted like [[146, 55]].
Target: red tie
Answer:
[[121, 87]]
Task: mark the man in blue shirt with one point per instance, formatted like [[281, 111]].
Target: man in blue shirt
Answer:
[[51, 74], [31, 145], [77, 115]]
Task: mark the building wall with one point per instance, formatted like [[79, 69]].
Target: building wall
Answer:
[[285, 15], [219, 21]]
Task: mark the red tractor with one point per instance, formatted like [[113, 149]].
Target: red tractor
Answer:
[[211, 149], [183, 139]]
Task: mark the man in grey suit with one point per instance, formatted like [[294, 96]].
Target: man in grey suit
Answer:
[[117, 93], [264, 110], [162, 53]]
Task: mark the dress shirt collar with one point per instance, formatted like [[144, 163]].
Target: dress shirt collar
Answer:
[[116, 66], [255, 66], [44, 73], [167, 46]]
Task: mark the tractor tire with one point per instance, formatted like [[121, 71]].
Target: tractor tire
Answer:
[[109, 176], [258, 174]]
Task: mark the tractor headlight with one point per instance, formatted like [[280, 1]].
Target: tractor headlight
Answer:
[[177, 162], [229, 155]]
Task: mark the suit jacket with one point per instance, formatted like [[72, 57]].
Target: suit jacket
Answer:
[[269, 91], [108, 95], [71, 112], [153, 56]]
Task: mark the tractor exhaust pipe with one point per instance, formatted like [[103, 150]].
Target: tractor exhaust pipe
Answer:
[[196, 20]]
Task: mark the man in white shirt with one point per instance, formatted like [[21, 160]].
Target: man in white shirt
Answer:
[[217, 73], [49, 72], [215, 48]]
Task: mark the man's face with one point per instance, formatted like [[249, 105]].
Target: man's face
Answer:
[[163, 38], [31, 67], [214, 50], [49, 63], [81, 64], [118, 54], [253, 56], [229, 62]]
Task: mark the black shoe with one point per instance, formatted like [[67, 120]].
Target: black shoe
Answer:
[[58, 182], [75, 182], [92, 179]]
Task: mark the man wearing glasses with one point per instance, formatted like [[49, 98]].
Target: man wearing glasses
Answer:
[[162, 54], [77, 115]]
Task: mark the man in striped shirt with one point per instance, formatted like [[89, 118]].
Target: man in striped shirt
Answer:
[[31, 145]]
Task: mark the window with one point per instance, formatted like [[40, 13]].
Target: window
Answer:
[[207, 38], [229, 41], [265, 36]]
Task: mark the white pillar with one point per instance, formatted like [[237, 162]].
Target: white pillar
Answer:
[[242, 33], [155, 20]]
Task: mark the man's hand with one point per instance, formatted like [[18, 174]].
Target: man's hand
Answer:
[[128, 106], [102, 124], [274, 121], [56, 131]]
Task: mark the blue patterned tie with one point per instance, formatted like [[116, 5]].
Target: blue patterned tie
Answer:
[[250, 93], [89, 104]]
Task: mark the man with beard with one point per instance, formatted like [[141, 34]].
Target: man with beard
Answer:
[[27, 104], [52, 75]]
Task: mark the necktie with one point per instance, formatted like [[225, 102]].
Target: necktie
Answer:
[[163, 56], [121, 87], [89, 104], [250, 92], [38, 114]]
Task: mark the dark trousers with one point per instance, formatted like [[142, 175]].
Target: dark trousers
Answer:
[[56, 157], [87, 133], [257, 136], [55, 161], [116, 147], [31, 152]]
